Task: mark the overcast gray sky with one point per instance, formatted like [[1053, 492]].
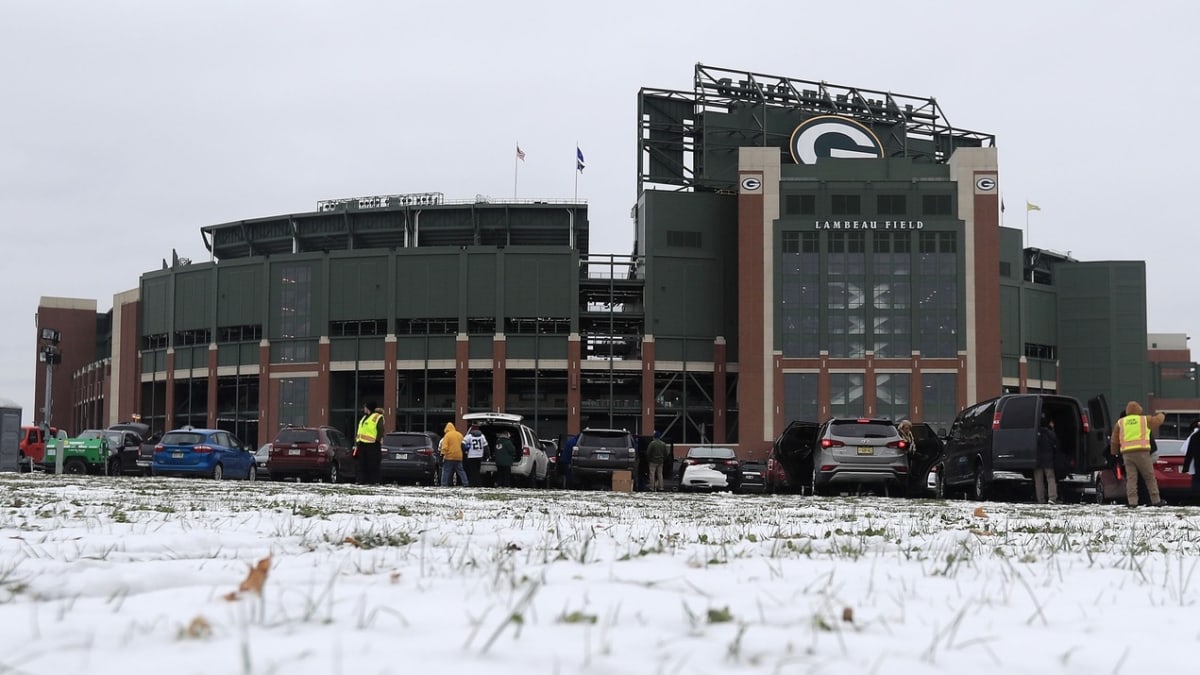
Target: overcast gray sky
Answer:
[[128, 125]]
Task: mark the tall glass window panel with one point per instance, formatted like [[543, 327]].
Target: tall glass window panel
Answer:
[[936, 291], [800, 294], [939, 399], [800, 397], [891, 395], [293, 401], [846, 394]]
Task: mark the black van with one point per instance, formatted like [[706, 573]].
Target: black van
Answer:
[[996, 440]]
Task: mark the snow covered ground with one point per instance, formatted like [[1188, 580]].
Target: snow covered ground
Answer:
[[103, 575]]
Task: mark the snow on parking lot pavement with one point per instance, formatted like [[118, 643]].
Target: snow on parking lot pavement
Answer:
[[142, 575]]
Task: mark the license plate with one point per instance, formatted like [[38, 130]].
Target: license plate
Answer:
[[293, 451], [1168, 469], [401, 456], [866, 449], [177, 455], [601, 455]]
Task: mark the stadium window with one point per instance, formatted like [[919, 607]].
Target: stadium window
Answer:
[[845, 205], [937, 205], [684, 239], [800, 205], [810, 242], [891, 205], [1005, 270], [791, 242]]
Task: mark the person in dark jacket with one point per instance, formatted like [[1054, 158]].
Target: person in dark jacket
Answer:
[[1191, 456], [657, 453], [564, 459], [505, 455], [1045, 482]]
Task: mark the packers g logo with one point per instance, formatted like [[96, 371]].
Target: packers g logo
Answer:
[[832, 136]]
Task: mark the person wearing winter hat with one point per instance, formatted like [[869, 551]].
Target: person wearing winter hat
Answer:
[[475, 445], [1131, 442]]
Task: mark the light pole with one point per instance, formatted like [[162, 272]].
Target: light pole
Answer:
[[50, 355]]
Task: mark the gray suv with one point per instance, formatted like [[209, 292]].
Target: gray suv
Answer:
[[859, 451], [599, 452]]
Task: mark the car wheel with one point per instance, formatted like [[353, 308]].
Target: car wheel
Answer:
[[252, 473], [939, 483], [334, 473], [979, 486], [817, 490], [218, 472], [114, 467], [1101, 498], [75, 467]]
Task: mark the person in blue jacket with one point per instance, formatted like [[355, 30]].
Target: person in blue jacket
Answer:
[[564, 459]]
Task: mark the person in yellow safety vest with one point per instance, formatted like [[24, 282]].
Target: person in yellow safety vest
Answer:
[[1131, 441], [367, 446]]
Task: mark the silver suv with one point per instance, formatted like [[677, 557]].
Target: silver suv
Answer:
[[859, 451]]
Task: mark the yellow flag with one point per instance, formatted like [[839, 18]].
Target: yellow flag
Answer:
[[1030, 206]]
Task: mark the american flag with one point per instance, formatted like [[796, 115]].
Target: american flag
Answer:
[[520, 154]]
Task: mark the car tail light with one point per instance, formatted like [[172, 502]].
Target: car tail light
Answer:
[[730, 462], [770, 464], [831, 443], [159, 448], [428, 452], [899, 445], [995, 420], [524, 450], [902, 469], [828, 467], [202, 449], [1086, 426], [323, 448], [689, 461]]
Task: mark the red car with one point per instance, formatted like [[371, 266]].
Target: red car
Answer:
[[1173, 484], [312, 453]]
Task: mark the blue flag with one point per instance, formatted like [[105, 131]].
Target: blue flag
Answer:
[[578, 159]]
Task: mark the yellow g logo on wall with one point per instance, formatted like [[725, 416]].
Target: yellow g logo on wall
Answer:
[[833, 136]]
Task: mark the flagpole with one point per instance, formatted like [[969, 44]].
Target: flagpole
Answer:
[[1027, 210], [516, 166], [576, 170]]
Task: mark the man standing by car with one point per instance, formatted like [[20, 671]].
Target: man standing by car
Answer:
[[1045, 482], [505, 455], [476, 446], [367, 446], [564, 459], [657, 453], [1131, 440], [452, 455]]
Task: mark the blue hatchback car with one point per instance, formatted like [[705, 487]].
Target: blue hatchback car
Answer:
[[213, 453]]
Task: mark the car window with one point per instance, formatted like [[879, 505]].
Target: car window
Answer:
[[182, 438], [405, 440], [296, 436], [1170, 448], [90, 435], [712, 453], [856, 429], [1019, 413], [606, 438]]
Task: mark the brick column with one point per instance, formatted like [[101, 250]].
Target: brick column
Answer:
[[499, 366], [268, 419], [574, 392], [390, 378], [462, 370]]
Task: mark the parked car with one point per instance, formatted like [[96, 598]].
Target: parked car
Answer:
[[532, 467], [129, 460], [995, 442], [754, 476], [1173, 484], [262, 458], [707, 467], [311, 453], [213, 453], [411, 456], [860, 452], [789, 465], [550, 447], [599, 452]]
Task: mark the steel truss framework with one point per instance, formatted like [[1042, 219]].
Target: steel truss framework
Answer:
[[673, 131]]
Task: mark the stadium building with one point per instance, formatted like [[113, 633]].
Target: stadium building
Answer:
[[801, 250]]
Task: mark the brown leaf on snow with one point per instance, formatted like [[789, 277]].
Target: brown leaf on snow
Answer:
[[231, 596], [458, 515], [848, 615], [198, 629], [980, 513], [982, 533], [394, 577], [353, 542], [257, 577], [513, 547]]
